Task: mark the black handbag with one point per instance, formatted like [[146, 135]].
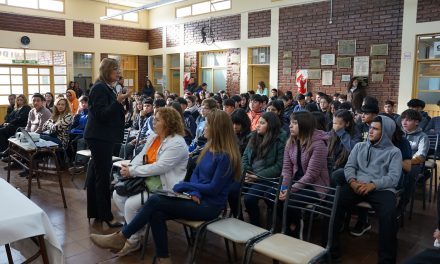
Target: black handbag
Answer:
[[130, 186]]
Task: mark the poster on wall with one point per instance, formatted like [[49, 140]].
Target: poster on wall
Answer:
[[344, 62], [361, 66], [345, 77], [327, 77], [314, 74], [378, 65], [327, 59], [379, 50]]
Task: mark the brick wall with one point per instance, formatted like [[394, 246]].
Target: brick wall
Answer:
[[84, 30], [155, 38], [259, 24], [233, 73], [368, 22], [223, 28], [142, 71], [173, 36], [123, 33], [428, 10], [31, 24]]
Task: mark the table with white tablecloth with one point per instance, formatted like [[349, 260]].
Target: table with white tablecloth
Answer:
[[20, 220]]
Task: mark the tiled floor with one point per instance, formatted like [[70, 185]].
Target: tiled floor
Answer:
[[72, 229]]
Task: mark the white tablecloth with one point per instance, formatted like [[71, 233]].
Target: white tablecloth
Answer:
[[20, 218]]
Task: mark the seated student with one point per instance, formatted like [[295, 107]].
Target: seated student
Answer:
[[309, 98], [237, 100], [263, 157], [208, 105], [229, 106], [242, 128], [301, 99], [320, 121], [137, 105], [77, 129], [49, 101], [17, 118], [318, 97], [190, 122], [419, 105], [165, 154], [419, 142], [56, 129], [342, 98], [73, 101], [277, 107], [38, 115], [192, 107], [265, 102], [368, 113], [146, 112], [11, 106], [343, 137], [389, 110], [288, 106], [334, 106], [304, 161], [372, 172], [218, 166], [434, 124], [324, 105], [244, 104], [187, 135]]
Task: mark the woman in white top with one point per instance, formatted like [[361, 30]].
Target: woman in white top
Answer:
[[166, 154]]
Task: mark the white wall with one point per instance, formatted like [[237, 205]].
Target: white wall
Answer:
[[408, 64]]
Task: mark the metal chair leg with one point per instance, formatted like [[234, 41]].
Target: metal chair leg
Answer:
[[228, 252], [9, 254]]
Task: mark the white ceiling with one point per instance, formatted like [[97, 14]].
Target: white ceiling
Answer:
[[129, 3]]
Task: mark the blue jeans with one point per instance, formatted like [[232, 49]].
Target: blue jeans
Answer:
[[158, 209], [50, 138]]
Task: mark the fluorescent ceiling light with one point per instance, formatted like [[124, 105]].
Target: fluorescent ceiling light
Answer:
[[144, 7]]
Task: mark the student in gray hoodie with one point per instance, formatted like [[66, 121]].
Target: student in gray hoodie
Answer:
[[372, 172]]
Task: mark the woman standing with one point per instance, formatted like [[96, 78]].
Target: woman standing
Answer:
[[355, 94], [105, 128], [218, 166]]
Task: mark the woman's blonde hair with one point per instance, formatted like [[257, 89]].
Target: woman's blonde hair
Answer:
[[25, 101], [173, 121], [105, 69], [222, 139], [57, 114]]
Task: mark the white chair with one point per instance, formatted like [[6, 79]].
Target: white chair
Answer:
[[287, 249]]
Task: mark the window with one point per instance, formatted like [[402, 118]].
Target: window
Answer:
[[213, 70], [203, 8], [260, 55], [157, 71], [427, 86], [131, 17], [51, 5]]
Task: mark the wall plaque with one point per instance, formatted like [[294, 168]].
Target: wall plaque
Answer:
[[327, 77], [315, 63], [377, 77], [287, 54], [347, 47], [287, 63], [378, 65], [328, 59], [315, 53], [314, 74], [379, 50], [361, 66], [344, 62], [345, 78]]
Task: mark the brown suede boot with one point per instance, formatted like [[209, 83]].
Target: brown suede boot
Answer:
[[113, 241]]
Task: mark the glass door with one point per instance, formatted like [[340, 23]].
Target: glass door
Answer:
[[39, 80]]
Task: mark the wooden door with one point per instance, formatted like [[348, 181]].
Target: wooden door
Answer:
[[175, 81], [257, 74]]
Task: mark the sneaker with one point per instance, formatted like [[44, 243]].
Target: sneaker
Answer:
[[129, 248], [360, 229]]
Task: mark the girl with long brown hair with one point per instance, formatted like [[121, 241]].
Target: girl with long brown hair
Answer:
[[218, 166], [305, 160]]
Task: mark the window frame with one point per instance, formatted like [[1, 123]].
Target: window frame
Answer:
[[38, 6], [122, 16], [211, 2]]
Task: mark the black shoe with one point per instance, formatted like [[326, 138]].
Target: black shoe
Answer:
[[360, 229], [113, 224]]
